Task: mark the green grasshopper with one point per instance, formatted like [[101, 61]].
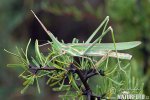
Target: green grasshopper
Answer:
[[95, 48]]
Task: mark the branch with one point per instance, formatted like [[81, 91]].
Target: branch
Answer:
[[93, 73], [83, 78], [74, 69], [83, 75], [35, 69]]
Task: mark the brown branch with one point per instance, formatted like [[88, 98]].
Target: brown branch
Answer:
[[83, 78], [83, 75], [93, 73], [35, 69]]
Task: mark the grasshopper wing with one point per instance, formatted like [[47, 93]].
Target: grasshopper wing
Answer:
[[105, 46]]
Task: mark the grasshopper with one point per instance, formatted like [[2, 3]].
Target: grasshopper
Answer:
[[95, 48]]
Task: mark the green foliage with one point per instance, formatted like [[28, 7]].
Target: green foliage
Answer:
[[115, 79], [73, 10]]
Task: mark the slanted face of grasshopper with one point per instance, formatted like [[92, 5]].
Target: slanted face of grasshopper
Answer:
[[95, 48]]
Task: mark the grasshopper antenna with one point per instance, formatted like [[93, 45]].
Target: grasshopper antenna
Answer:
[[47, 31]]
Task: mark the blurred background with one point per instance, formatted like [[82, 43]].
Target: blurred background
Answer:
[[67, 19]]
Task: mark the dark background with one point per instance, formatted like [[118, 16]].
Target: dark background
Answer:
[[67, 19]]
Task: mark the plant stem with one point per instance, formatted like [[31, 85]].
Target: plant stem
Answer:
[[84, 75]]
